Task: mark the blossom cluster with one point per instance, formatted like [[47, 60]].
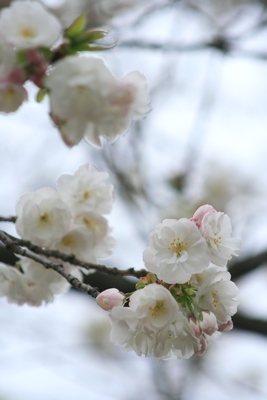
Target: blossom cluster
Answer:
[[86, 99], [188, 294], [70, 220]]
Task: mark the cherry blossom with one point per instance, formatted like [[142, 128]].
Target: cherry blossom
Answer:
[[86, 190], [86, 100], [24, 25], [176, 251], [43, 217]]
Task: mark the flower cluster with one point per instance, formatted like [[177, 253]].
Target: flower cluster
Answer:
[[69, 220], [188, 294], [85, 97]]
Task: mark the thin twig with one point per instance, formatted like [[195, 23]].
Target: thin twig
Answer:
[[12, 219]]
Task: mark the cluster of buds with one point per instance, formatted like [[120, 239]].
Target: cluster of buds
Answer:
[[188, 294], [69, 220], [86, 100]]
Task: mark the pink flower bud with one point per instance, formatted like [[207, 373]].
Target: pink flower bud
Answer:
[[226, 327], [194, 325], [209, 323], [110, 298], [196, 221], [203, 347], [201, 211]]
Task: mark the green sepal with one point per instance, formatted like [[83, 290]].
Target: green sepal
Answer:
[[21, 58], [146, 280], [46, 52], [41, 95], [140, 285], [93, 35], [97, 47], [76, 28]]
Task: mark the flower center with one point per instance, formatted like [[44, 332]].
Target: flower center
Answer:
[[158, 309], [90, 224], [86, 195], [68, 241], [44, 219], [215, 299], [177, 246], [27, 32]]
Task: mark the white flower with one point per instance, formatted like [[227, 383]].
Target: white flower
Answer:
[[216, 228], [79, 242], [95, 223], [27, 24], [43, 218], [97, 226], [11, 96], [110, 298], [176, 251], [82, 243], [136, 327], [7, 57], [86, 190], [31, 283], [177, 340], [87, 100], [218, 294], [12, 284], [42, 284], [154, 306]]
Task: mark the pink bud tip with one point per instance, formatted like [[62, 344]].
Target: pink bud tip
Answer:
[[203, 210], [226, 327], [110, 298], [209, 323], [195, 326], [196, 222]]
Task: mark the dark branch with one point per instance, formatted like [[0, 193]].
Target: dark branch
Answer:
[[8, 219], [58, 267], [219, 43], [254, 325], [242, 267], [69, 258]]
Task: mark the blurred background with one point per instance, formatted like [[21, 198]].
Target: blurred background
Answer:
[[204, 141]]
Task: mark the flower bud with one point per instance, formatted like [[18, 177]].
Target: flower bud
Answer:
[[110, 298], [209, 323], [195, 326], [203, 347], [226, 327], [199, 214]]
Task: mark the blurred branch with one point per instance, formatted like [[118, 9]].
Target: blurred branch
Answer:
[[8, 219], [253, 325], [219, 43], [242, 267]]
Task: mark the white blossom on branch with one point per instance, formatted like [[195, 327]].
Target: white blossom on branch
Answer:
[[25, 25], [86, 100]]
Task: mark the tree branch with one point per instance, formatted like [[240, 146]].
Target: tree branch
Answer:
[[8, 219], [254, 325], [9, 240], [58, 267], [242, 267], [219, 43]]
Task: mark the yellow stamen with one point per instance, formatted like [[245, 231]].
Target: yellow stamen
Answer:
[[158, 309], [27, 32], [177, 246]]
